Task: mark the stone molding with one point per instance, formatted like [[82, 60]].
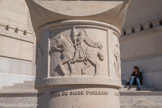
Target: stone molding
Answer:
[[140, 57], [15, 36], [142, 27], [17, 30], [79, 80], [19, 35], [81, 23], [154, 30]]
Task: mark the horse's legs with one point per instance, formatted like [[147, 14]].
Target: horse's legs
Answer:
[[62, 68], [87, 65], [76, 55], [65, 60], [71, 68], [96, 66]]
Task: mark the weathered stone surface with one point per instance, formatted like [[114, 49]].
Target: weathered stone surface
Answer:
[[149, 100], [19, 96], [78, 56], [89, 64], [143, 47], [144, 50], [17, 43], [142, 12], [112, 12]]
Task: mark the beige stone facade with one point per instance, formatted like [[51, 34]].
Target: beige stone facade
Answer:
[[140, 45], [17, 43], [141, 42], [78, 55]]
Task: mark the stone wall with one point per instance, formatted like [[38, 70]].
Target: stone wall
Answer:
[[141, 42], [17, 43], [142, 11], [144, 50]]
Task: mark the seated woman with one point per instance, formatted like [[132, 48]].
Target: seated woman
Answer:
[[136, 76]]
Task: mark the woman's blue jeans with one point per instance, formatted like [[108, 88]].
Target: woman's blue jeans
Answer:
[[137, 81]]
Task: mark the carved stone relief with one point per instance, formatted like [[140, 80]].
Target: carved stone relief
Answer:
[[78, 47], [116, 55]]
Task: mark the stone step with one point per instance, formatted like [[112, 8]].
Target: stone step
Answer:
[[25, 96], [142, 99], [134, 88], [25, 85], [22, 95], [18, 100], [19, 87], [29, 82], [18, 91], [141, 93], [132, 105]]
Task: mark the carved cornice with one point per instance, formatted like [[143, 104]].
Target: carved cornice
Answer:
[[142, 27], [18, 36], [16, 29], [79, 23], [16, 33]]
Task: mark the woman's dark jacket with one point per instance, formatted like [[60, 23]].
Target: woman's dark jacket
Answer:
[[139, 75]]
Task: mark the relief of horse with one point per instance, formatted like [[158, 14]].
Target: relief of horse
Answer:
[[67, 50]]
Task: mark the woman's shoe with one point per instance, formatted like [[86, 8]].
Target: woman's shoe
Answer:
[[139, 89], [129, 87]]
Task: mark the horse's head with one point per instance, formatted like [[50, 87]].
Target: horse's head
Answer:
[[58, 41], [61, 42], [82, 33]]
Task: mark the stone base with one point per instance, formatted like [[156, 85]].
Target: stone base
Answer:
[[85, 73], [80, 96], [26, 94]]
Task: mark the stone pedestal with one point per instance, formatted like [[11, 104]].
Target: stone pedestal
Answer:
[[78, 56]]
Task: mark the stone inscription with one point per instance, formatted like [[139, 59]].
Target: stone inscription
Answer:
[[72, 93]]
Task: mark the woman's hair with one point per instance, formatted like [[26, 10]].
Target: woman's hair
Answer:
[[136, 67]]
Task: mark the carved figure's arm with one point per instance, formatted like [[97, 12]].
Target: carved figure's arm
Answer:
[[79, 42], [56, 48], [91, 43]]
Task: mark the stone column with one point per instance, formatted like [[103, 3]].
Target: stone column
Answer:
[[78, 56]]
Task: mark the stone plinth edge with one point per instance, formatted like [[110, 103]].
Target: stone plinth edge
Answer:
[[79, 81], [83, 23]]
